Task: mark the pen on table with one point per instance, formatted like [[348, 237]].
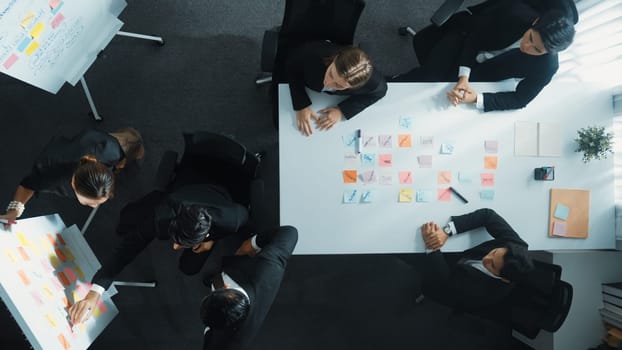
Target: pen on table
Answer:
[[358, 141], [458, 194]]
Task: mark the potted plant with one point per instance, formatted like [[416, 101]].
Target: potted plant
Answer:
[[594, 143]]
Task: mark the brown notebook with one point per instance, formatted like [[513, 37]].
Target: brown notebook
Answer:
[[575, 204]]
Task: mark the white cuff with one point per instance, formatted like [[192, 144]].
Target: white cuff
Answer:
[[452, 227], [464, 71], [205, 330], [254, 244], [479, 104], [97, 289]]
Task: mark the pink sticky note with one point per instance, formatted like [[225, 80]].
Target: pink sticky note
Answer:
[[425, 161], [10, 61], [57, 20], [488, 179], [385, 160], [37, 297], [54, 3], [559, 228], [491, 146], [385, 141], [69, 273], [406, 177], [444, 177], [444, 194]]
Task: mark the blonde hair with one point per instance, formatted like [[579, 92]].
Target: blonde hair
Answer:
[[353, 65]]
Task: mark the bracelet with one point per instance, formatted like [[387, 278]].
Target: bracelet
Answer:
[[17, 206]]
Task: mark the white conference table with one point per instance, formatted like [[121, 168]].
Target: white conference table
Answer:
[[312, 186]]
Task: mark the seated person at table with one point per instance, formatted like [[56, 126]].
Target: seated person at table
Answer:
[[82, 167], [504, 40], [193, 216], [480, 276], [327, 67], [242, 294]]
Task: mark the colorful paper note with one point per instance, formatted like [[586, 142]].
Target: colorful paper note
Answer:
[[367, 196], [386, 179], [54, 3], [368, 159], [59, 239], [561, 212], [349, 177], [79, 272], [487, 194], [465, 176], [350, 196], [63, 279], [368, 177], [385, 141], [37, 30], [425, 161], [23, 254], [490, 162], [63, 258], [57, 20], [368, 141], [51, 320], [404, 140], [25, 22], [351, 160], [385, 160], [349, 140], [405, 122], [69, 254], [22, 276], [491, 146], [424, 195], [24, 44], [11, 256], [57, 8], [37, 297], [427, 141], [444, 194], [22, 239], [51, 239], [47, 291], [444, 177], [406, 195], [10, 61], [447, 148], [559, 228], [405, 177], [63, 342], [488, 179], [70, 275], [54, 261]]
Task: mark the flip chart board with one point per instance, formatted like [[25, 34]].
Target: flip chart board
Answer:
[[45, 269], [47, 42]]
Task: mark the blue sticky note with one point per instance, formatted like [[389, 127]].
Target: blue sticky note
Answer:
[[57, 8], [24, 44], [465, 176], [368, 159], [350, 196], [561, 212], [447, 148], [487, 194], [349, 140], [405, 122], [367, 196], [424, 196]]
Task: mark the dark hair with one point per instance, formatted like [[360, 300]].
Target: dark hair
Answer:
[[556, 31], [224, 309], [353, 65], [131, 142], [93, 179], [516, 262], [190, 225]]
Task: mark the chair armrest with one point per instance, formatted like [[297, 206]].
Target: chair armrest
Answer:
[[447, 9], [166, 171], [269, 46]]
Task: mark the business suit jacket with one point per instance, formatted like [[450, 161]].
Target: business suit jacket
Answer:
[[462, 286], [260, 277], [492, 27], [306, 67]]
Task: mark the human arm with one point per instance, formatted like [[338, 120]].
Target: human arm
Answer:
[[433, 236], [376, 88], [489, 219], [81, 311], [22, 195], [526, 90], [331, 116]]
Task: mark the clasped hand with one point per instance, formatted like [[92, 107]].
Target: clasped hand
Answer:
[[433, 236], [462, 93], [330, 117], [82, 310]]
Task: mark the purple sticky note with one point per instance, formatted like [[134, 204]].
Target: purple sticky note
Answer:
[[559, 228]]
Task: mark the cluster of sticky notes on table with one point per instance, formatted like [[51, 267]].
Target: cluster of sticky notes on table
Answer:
[[491, 162], [559, 224]]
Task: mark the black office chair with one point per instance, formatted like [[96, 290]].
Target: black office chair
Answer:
[[304, 21]]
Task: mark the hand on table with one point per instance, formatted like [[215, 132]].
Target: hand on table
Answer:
[[82, 310], [331, 116], [10, 216], [433, 236], [203, 247], [303, 120], [462, 92]]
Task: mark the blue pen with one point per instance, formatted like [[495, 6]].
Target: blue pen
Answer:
[[352, 195], [358, 141]]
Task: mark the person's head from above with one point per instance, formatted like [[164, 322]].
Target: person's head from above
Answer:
[[351, 68], [189, 227], [131, 142], [551, 33], [510, 262], [92, 182], [224, 309]]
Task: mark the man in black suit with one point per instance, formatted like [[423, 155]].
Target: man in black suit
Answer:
[[497, 40], [242, 294], [481, 276], [327, 67]]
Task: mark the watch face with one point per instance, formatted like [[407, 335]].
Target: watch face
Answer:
[[447, 230]]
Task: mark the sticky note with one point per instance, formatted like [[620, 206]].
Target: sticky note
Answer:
[[368, 159], [386, 179], [47, 291], [350, 196], [491, 146], [57, 20], [10, 255], [69, 254], [75, 296], [444, 194], [349, 177], [367, 196], [69, 273], [65, 302], [561, 212], [444, 177], [10, 61], [60, 239], [351, 160], [63, 258], [25, 22], [22, 239], [368, 141], [404, 140], [59, 287], [79, 272], [405, 122], [54, 3], [465, 176], [385, 160], [559, 228], [488, 179], [63, 342], [425, 161], [22, 253], [54, 261], [101, 306], [405, 177], [63, 279], [487, 194], [57, 8], [45, 245], [490, 162], [37, 30], [51, 320], [349, 140], [424, 195], [447, 148], [427, 141], [51, 239], [385, 141], [36, 297], [406, 195], [368, 177], [23, 277]]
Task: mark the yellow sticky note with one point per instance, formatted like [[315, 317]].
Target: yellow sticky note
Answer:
[[96, 312], [47, 291], [37, 30], [69, 254], [22, 239], [34, 249], [79, 272], [406, 195], [31, 48], [76, 297], [25, 22], [51, 320], [10, 255], [45, 245], [490, 162]]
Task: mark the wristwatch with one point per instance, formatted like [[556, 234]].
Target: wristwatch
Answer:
[[447, 230]]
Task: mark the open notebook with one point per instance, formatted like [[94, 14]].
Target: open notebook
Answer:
[[537, 139]]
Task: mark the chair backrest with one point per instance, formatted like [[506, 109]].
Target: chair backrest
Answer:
[[567, 7]]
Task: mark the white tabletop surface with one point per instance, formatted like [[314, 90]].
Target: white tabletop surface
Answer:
[[311, 183]]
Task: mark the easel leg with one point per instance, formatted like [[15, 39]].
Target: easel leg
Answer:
[[90, 99], [157, 39]]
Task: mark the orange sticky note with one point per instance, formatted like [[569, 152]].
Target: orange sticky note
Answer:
[[404, 140], [60, 255], [490, 162], [23, 253], [349, 176], [488, 179], [63, 279], [51, 239], [63, 341], [406, 177], [444, 177], [444, 194], [69, 273], [23, 277], [60, 239], [385, 160]]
